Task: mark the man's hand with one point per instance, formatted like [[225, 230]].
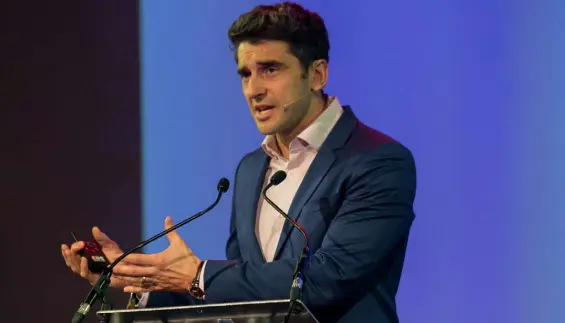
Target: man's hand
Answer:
[[172, 269], [80, 265]]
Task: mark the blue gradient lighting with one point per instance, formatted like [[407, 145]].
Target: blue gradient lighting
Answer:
[[476, 89]]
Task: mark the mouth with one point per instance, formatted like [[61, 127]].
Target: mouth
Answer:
[[264, 112]]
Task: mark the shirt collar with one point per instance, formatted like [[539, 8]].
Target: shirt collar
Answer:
[[314, 135]]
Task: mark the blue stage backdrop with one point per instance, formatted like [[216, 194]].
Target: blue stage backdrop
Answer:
[[474, 88]]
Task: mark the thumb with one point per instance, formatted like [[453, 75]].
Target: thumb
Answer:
[[102, 238], [173, 236]]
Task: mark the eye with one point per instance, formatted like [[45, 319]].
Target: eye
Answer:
[[270, 70]]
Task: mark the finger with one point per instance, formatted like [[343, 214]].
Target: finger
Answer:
[[136, 281], [134, 289], [83, 267], [143, 285], [64, 247], [77, 247], [142, 259], [102, 238], [135, 271], [126, 280], [173, 236], [72, 261], [66, 250]]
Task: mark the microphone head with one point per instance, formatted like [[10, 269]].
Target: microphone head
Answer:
[[278, 177], [223, 185]]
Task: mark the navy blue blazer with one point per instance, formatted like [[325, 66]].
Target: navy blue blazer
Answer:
[[355, 203]]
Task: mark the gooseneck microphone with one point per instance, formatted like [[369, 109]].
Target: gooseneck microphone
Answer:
[[99, 289], [297, 278]]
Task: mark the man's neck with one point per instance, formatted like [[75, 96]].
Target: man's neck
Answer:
[[284, 139]]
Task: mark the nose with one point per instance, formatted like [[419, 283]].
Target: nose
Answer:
[[255, 89]]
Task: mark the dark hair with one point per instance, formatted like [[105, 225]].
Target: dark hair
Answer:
[[304, 31]]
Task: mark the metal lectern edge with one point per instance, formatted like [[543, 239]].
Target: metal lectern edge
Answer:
[[257, 309]]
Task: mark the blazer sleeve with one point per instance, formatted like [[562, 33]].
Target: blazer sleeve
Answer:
[[376, 214], [232, 246]]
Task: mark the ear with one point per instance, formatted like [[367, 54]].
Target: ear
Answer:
[[318, 75]]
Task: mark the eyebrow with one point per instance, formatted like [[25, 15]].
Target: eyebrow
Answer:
[[267, 63]]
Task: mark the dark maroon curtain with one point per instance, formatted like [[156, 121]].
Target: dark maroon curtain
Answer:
[[70, 157]]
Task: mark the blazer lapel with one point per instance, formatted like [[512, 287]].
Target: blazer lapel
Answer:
[[256, 176], [317, 171]]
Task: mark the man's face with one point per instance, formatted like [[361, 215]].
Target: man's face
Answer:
[[271, 77]]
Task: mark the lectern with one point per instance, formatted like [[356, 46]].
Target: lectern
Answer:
[[241, 312]]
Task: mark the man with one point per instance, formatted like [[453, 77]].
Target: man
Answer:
[[350, 187]]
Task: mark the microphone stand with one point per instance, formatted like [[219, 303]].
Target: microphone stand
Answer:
[[297, 281], [105, 306], [297, 278], [98, 291]]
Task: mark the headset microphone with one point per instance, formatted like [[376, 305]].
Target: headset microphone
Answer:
[[291, 103], [285, 107]]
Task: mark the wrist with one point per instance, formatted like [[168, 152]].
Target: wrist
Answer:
[[194, 289], [199, 264]]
